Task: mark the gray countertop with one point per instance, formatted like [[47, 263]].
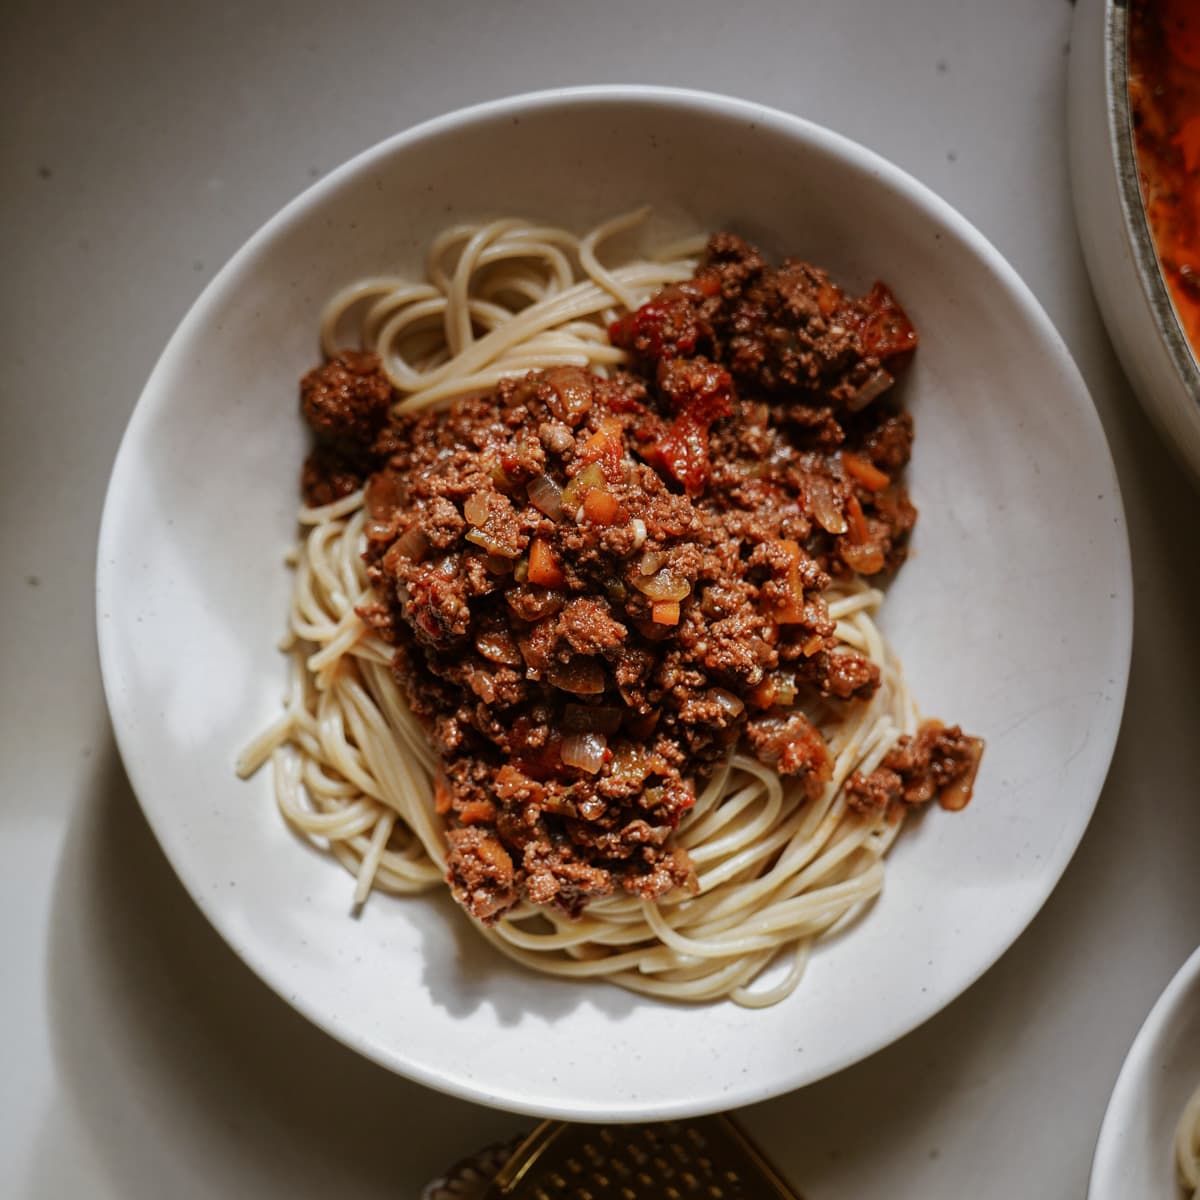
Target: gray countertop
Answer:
[[143, 143]]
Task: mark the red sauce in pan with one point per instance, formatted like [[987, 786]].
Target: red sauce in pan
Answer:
[[1164, 99]]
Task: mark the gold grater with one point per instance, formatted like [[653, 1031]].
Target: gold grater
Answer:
[[708, 1158]]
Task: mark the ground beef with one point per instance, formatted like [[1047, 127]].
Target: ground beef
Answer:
[[345, 403], [597, 587], [916, 769]]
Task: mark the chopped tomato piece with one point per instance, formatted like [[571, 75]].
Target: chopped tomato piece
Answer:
[[700, 392], [887, 331], [683, 453], [665, 327]]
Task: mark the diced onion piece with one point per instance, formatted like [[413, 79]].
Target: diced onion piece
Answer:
[[583, 676], [864, 472], [591, 718], [733, 706], [825, 510], [478, 538], [546, 496], [663, 585], [499, 648], [585, 750], [866, 559], [639, 532], [543, 566], [956, 794], [651, 561], [875, 386], [385, 495], [476, 509], [665, 612], [412, 543], [590, 478]]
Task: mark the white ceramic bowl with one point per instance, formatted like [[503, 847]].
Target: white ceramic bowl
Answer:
[[1135, 1154], [1013, 615], [1115, 234]]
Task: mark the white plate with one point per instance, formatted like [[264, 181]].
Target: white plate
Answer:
[[1013, 616], [1135, 1154]]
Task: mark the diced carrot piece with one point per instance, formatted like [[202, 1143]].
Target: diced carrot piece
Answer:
[[858, 522], [441, 795], [665, 612], [543, 566], [601, 507], [791, 610], [866, 473], [763, 695]]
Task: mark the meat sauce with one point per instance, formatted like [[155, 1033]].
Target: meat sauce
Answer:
[[597, 587], [1164, 100]]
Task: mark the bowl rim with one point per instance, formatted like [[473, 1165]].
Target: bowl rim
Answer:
[[1138, 234], [694, 100], [1111, 1150]]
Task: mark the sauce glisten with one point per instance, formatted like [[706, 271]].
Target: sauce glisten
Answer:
[[1164, 100]]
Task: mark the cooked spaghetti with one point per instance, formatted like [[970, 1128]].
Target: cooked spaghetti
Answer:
[[1187, 1144], [582, 621]]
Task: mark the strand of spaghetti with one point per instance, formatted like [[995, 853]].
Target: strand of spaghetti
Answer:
[[748, 997], [395, 781], [330, 512], [762, 932], [591, 264], [703, 845], [396, 715], [346, 634], [399, 291], [317, 780], [457, 319], [347, 821], [370, 861], [583, 299], [400, 786], [347, 759]]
